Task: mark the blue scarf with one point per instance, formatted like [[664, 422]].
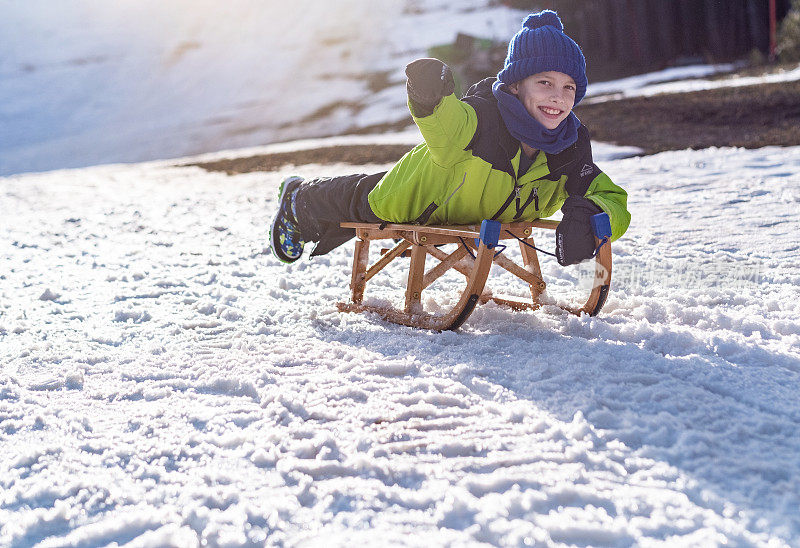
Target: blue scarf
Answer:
[[529, 130]]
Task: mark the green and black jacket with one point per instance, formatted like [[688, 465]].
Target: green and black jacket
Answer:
[[467, 171]]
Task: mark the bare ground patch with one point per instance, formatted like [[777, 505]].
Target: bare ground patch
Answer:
[[347, 154], [749, 117]]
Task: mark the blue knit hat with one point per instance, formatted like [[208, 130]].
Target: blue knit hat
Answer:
[[540, 46]]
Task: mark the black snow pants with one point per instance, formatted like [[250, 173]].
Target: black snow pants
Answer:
[[322, 203]]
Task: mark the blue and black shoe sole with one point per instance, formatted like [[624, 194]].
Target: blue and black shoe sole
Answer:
[[275, 246]]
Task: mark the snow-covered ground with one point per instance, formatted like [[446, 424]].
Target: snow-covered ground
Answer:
[[165, 382]]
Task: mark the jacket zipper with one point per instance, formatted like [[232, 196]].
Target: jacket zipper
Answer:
[[532, 197]]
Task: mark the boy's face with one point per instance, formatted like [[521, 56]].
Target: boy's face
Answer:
[[547, 96]]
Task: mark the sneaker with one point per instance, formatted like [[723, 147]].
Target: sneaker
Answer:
[[286, 241]]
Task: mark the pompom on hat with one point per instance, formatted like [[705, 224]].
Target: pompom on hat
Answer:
[[541, 46]]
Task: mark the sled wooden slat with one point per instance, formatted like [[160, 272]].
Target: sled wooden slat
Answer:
[[521, 230], [518, 271], [511, 303], [447, 262], [358, 279], [416, 272], [464, 265], [423, 241], [531, 261], [386, 259]]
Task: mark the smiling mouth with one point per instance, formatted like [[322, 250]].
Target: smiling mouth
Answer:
[[551, 112]]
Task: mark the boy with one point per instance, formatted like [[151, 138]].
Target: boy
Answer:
[[511, 149]]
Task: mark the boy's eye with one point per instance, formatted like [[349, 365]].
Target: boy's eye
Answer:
[[544, 82]]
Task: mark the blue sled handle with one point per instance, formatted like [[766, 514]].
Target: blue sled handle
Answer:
[[490, 233], [601, 225]]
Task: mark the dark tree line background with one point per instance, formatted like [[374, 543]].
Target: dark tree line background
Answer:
[[621, 37]]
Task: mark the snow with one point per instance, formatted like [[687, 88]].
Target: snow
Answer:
[[683, 80], [165, 381], [628, 86]]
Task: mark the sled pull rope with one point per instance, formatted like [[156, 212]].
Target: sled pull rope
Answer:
[[471, 254], [601, 226], [597, 249], [594, 254], [533, 246], [489, 236], [500, 247]]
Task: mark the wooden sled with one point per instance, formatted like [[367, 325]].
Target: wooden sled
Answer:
[[476, 252]]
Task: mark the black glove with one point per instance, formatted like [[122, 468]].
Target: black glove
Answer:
[[574, 235], [429, 80]]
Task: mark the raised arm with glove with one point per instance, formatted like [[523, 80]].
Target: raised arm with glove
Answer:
[[429, 81]]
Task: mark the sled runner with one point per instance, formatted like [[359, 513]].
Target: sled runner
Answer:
[[477, 249]]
